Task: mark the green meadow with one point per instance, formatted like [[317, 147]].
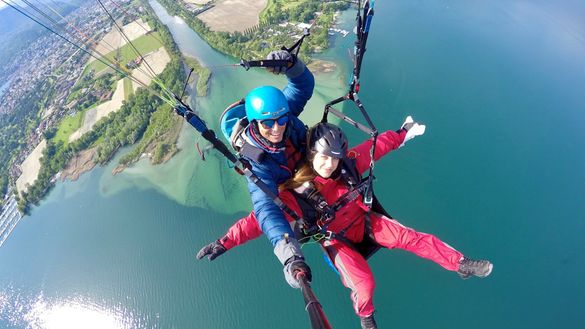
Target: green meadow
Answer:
[[68, 125], [145, 44]]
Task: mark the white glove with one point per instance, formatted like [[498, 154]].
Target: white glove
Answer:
[[280, 55], [295, 67], [412, 128]]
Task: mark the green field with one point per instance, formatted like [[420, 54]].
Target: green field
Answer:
[[68, 125], [127, 88], [275, 5], [144, 44]]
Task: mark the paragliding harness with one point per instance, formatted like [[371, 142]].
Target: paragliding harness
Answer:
[[319, 215], [233, 122], [367, 247], [316, 213]]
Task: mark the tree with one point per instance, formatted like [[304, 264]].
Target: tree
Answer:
[[50, 133]]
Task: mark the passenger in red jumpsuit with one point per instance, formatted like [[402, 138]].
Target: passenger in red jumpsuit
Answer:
[[327, 171]]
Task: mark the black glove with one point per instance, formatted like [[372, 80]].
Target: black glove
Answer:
[[212, 250], [288, 251], [299, 265], [292, 268]]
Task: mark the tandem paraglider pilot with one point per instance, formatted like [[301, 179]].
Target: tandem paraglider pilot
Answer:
[[271, 139]]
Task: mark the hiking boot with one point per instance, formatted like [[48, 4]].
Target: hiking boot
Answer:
[[469, 267], [368, 322]]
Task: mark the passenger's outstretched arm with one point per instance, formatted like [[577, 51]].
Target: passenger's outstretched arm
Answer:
[[386, 142], [244, 230]]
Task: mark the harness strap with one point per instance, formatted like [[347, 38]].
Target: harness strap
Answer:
[[363, 22], [349, 196], [325, 212], [340, 237], [367, 247]]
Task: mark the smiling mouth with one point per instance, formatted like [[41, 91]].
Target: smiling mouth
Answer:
[[276, 135]]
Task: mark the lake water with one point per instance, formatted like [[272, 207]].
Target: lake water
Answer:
[[498, 174]]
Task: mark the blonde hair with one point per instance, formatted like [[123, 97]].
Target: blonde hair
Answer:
[[303, 175]]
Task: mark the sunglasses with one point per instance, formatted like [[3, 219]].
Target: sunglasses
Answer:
[[269, 123]]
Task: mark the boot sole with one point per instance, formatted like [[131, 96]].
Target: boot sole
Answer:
[[489, 271]]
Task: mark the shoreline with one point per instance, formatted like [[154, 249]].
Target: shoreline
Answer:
[[83, 162], [86, 160]]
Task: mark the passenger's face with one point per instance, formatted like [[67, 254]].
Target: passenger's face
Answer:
[[273, 130], [324, 165]]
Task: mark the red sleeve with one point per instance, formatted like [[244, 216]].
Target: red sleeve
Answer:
[[244, 230], [386, 142], [247, 228]]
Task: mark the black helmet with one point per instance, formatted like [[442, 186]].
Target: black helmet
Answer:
[[327, 139]]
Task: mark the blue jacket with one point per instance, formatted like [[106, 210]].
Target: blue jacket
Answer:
[[274, 167]]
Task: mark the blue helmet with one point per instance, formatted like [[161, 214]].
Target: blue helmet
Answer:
[[266, 102]]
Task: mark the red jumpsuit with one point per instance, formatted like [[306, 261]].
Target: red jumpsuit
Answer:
[[353, 268]]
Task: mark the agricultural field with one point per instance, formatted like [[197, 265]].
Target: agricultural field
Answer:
[[145, 44], [68, 125], [233, 15], [128, 91]]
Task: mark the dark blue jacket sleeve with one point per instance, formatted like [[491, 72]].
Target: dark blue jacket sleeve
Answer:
[[299, 90], [270, 217]]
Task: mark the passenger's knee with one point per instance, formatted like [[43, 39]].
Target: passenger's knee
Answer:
[[363, 301]]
